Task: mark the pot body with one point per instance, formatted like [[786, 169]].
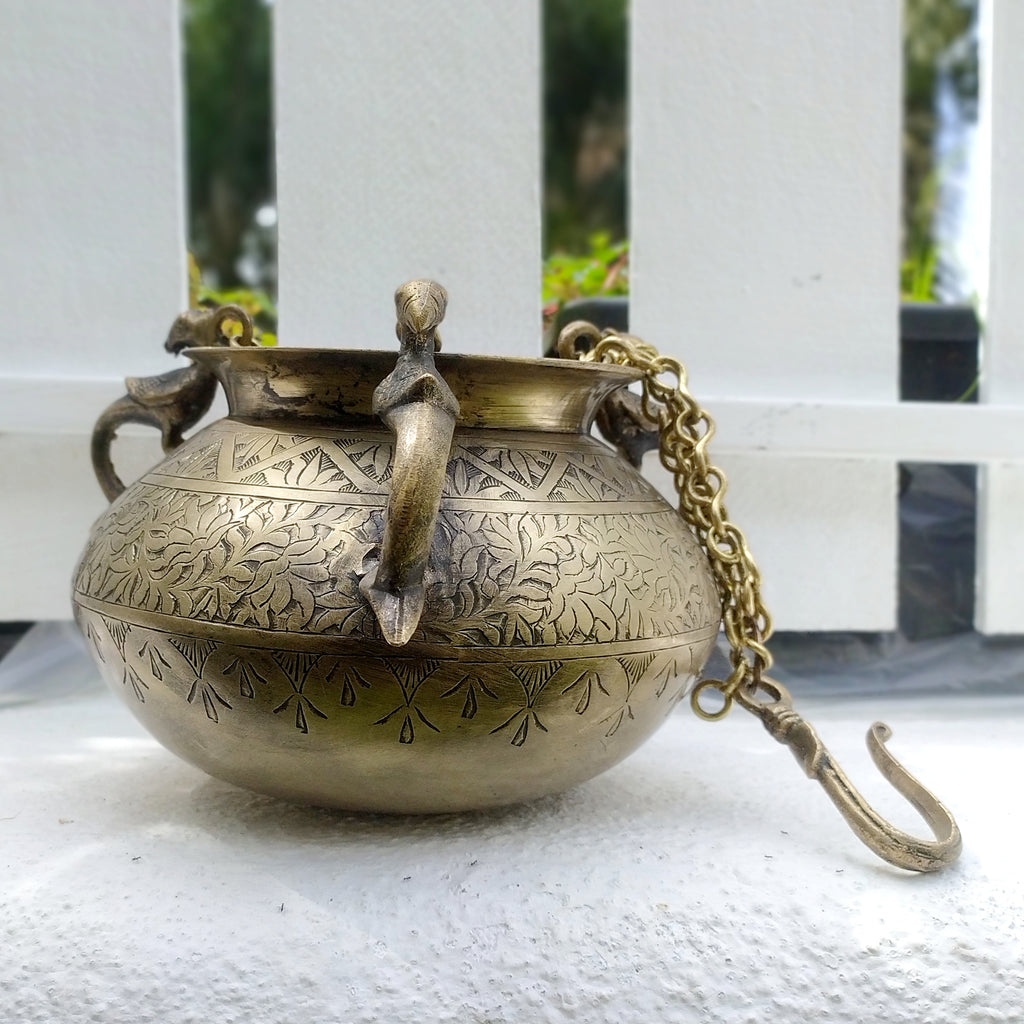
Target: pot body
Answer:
[[567, 608]]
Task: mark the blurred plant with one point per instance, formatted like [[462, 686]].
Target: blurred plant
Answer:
[[256, 303], [228, 124], [938, 40], [585, 138], [602, 270], [917, 276], [921, 260]]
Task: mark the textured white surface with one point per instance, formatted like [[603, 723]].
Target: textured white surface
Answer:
[[408, 145], [703, 880], [766, 258]]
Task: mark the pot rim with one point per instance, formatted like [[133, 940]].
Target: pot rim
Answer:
[[627, 374], [336, 386]]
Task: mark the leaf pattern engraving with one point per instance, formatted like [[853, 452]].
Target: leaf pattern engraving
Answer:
[[501, 575], [495, 578], [247, 675], [410, 675], [248, 561], [196, 654], [349, 678], [584, 685], [525, 579], [520, 720], [470, 687]]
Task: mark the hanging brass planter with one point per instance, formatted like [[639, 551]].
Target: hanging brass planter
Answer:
[[421, 585]]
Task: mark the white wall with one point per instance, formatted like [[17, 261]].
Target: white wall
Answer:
[[1001, 541]]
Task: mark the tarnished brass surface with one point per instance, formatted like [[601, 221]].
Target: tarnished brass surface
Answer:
[[566, 606], [316, 386], [621, 418]]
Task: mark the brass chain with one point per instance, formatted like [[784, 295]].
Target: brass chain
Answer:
[[685, 429]]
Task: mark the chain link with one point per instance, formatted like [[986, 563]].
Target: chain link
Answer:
[[685, 429]]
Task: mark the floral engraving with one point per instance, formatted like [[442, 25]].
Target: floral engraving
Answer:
[[548, 567], [528, 579], [495, 577]]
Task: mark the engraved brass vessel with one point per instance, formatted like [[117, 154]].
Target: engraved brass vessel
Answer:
[[421, 585], [471, 603]]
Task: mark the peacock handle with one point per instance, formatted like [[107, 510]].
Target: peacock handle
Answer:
[[420, 410], [171, 402]]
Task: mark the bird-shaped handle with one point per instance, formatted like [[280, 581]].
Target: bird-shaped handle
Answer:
[[420, 409], [174, 401]]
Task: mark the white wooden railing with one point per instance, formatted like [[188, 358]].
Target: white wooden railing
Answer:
[[764, 214]]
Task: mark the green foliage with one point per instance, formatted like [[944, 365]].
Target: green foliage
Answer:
[[228, 107], [584, 120], [918, 271], [917, 276], [937, 36], [602, 270], [936, 31]]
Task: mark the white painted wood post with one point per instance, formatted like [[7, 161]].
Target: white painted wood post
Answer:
[[764, 222], [408, 145], [1000, 594], [92, 265]]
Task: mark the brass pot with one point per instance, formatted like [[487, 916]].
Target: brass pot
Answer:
[[475, 604]]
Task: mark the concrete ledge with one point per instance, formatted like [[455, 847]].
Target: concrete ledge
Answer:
[[704, 879]]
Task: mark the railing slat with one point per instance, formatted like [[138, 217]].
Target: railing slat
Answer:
[[1000, 592], [92, 266], [408, 146], [764, 222]]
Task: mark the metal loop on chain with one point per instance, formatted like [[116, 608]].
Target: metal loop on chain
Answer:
[[726, 688]]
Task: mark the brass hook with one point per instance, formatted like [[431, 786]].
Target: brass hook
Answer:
[[881, 836]]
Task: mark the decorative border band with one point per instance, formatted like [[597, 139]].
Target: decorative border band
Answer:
[[320, 643]]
